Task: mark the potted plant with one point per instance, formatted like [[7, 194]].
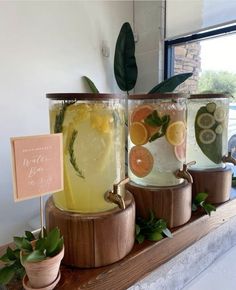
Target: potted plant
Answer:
[[39, 258]]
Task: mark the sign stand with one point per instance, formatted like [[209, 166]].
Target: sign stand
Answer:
[[41, 216]]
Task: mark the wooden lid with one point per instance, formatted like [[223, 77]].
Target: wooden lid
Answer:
[[82, 96], [209, 96], [159, 96]]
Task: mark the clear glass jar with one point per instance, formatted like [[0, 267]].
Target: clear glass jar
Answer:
[[93, 128], [157, 138], [207, 130]]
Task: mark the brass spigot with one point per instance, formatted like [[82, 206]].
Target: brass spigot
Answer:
[[114, 196], [229, 159], [184, 172]]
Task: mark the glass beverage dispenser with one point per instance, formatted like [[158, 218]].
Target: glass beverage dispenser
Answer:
[[157, 139], [208, 144], [160, 181], [93, 141], [207, 131]]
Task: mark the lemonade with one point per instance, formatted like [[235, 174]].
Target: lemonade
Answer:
[[157, 138], [207, 130], [93, 141]]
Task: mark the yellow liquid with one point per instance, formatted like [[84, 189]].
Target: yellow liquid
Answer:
[[94, 158]]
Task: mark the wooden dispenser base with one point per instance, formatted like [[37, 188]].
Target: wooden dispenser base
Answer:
[[173, 203], [216, 182], [94, 240]]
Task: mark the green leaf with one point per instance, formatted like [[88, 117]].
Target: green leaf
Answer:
[[137, 230], [4, 258], [58, 248], [11, 254], [140, 239], [6, 274], [22, 243], [169, 85], [91, 85], [155, 236], [234, 181], [35, 256], [209, 208], [30, 237], [125, 67], [213, 151], [200, 197], [52, 240], [40, 244], [167, 233]]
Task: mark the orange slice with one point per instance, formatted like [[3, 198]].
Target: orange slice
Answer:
[[140, 161], [140, 113], [175, 133], [138, 133], [180, 151]]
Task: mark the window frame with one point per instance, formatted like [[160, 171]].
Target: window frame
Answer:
[[169, 45]]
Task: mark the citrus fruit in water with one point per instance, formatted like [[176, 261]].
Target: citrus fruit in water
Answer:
[[138, 133], [220, 114], [205, 121], [180, 151], [140, 161], [175, 133], [207, 136], [140, 113]]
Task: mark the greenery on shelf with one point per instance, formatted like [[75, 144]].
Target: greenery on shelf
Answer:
[[200, 201], [233, 181], [32, 249], [151, 229]]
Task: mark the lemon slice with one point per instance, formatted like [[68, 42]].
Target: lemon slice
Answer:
[[207, 136], [138, 133], [220, 114], [205, 121], [175, 133]]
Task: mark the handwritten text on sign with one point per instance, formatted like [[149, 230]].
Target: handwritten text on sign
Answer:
[[37, 165]]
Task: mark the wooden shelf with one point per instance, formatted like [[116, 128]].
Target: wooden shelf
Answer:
[[146, 257]]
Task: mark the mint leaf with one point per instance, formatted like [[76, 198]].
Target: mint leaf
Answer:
[[209, 208], [200, 197], [140, 239]]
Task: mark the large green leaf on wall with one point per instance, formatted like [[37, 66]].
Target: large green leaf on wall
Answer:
[[125, 67], [169, 85]]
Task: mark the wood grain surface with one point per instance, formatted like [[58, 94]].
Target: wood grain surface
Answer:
[[215, 182], [144, 258], [173, 203], [94, 240]]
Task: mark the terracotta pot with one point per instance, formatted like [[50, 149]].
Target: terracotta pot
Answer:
[[44, 273]]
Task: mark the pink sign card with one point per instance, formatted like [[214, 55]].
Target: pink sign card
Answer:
[[37, 165]]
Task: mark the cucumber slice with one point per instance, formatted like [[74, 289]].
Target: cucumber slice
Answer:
[[205, 121], [219, 129], [220, 114], [207, 136], [211, 107]]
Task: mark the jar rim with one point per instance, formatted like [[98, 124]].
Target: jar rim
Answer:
[[158, 96], [83, 96], [210, 96]]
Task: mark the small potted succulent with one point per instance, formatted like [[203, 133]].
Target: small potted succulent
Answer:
[[38, 258]]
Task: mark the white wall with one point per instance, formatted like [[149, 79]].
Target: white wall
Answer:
[[149, 22], [46, 46]]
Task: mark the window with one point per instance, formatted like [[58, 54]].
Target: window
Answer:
[[211, 57]]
